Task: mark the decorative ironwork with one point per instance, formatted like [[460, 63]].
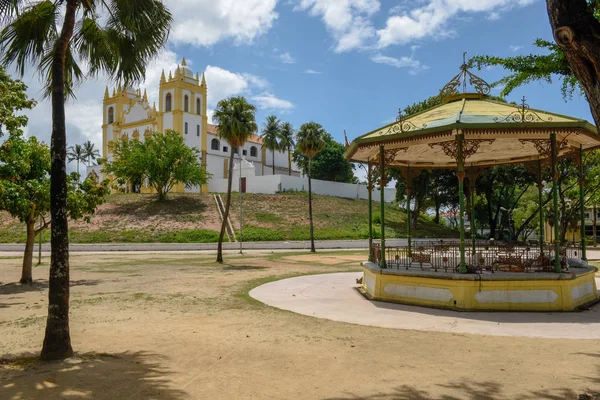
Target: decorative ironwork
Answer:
[[470, 147], [402, 125], [523, 114], [486, 256], [461, 79], [544, 146]]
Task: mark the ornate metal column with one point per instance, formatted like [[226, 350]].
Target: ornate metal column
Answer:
[[370, 190], [408, 177], [540, 186], [382, 203], [582, 203], [553, 162], [473, 173], [462, 268]]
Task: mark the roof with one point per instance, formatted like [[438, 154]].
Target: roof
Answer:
[[504, 133], [213, 129]]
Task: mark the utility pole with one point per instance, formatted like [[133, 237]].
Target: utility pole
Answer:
[[240, 183]]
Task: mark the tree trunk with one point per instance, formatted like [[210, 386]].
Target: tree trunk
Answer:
[[26, 276], [594, 226], [57, 340], [577, 32], [310, 212], [227, 204], [273, 162], [289, 161]]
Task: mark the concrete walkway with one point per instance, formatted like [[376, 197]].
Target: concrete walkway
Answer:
[[334, 297]]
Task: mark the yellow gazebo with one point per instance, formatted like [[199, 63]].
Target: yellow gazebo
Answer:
[[468, 132]]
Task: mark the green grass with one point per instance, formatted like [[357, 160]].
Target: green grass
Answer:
[[135, 218]]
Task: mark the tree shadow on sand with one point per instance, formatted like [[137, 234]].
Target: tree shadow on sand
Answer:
[[462, 390], [40, 285], [138, 375]]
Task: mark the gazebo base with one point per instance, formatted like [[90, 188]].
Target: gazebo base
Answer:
[[501, 291]]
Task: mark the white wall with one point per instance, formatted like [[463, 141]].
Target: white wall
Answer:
[[271, 184]]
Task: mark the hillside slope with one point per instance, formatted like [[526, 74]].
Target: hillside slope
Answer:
[[193, 218]]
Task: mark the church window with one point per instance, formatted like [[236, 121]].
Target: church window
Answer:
[[244, 152], [214, 144], [253, 151], [168, 102], [186, 128], [111, 115], [198, 106], [186, 102], [198, 130], [225, 149]]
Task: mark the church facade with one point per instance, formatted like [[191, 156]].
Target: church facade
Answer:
[[127, 114]]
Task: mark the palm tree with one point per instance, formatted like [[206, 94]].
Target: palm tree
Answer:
[[309, 142], [235, 123], [270, 136], [91, 152], [115, 37], [76, 153], [287, 142]]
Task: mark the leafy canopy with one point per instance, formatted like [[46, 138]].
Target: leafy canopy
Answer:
[[13, 98], [25, 183], [162, 160], [271, 133], [329, 164], [235, 120]]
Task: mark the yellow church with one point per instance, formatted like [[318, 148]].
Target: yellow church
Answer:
[[127, 113]]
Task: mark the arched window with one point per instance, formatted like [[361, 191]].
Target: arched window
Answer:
[[253, 151], [168, 102], [214, 144], [198, 106], [186, 103], [111, 115]]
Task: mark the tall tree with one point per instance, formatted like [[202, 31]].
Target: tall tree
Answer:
[[54, 36], [576, 30], [13, 99], [76, 153], [309, 142], [161, 160], [91, 152], [329, 164], [286, 142], [271, 133], [235, 123], [25, 191]]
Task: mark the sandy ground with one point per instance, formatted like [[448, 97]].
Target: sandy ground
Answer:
[[177, 326]]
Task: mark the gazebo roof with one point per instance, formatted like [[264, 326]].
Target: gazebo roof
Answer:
[[498, 132]]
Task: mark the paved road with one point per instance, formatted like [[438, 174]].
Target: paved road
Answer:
[[319, 244]]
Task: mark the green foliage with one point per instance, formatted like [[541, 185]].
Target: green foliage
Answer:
[[76, 153], [90, 151], [235, 120], [110, 36], [25, 183], [271, 133], [329, 163], [13, 98], [162, 160], [528, 68], [310, 140]]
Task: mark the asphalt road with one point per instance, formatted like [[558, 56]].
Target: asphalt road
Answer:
[[291, 245]]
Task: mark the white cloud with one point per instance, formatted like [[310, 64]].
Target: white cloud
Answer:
[[206, 22], [268, 101], [493, 16], [312, 72], [223, 83], [287, 58], [430, 19], [347, 20], [402, 62], [515, 48]]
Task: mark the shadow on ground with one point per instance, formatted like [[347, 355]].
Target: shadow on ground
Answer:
[[39, 285], [242, 268], [99, 376], [470, 390]]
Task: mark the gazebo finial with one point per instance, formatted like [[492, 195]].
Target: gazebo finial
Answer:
[[460, 80]]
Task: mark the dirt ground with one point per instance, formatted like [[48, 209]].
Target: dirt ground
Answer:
[[179, 326]]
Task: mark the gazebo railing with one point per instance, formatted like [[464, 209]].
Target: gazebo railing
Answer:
[[484, 256]]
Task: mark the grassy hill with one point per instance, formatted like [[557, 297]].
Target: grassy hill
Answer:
[[193, 218]]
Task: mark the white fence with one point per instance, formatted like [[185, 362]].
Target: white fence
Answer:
[[271, 184]]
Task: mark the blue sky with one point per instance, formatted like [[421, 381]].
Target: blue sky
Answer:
[[346, 64]]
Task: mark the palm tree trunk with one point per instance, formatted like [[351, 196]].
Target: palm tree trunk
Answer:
[[273, 161], [57, 340], [289, 161], [26, 275], [227, 204], [310, 212]]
